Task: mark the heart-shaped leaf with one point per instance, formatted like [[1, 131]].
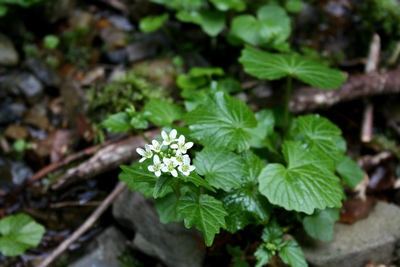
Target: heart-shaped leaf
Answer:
[[306, 184], [222, 121], [18, 233], [205, 212], [221, 168]]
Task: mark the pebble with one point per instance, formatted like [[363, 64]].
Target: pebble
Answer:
[[15, 132], [8, 54]]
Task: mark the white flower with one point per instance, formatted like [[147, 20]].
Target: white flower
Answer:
[[169, 166], [178, 157], [186, 168], [156, 147], [182, 146], [168, 139], [156, 168], [146, 154]]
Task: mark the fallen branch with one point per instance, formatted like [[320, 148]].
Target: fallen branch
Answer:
[[105, 159], [308, 98], [84, 227]]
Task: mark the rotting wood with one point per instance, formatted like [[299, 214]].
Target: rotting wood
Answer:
[[105, 159], [309, 98]]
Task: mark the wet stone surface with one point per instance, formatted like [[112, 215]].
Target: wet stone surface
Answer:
[[373, 238]]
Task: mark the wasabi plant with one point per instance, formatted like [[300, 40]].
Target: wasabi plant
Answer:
[[220, 166]]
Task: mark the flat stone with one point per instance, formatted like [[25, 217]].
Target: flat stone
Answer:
[[15, 132], [373, 238], [171, 243], [104, 250], [8, 54]]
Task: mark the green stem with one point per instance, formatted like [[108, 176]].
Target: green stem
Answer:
[[140, 132], [175, 188], [287, 102]]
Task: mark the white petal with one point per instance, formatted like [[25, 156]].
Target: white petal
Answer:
[[158, 173], [174, 146], [156, 160], [166, 161], [174, 173], [164, 168], [181, 139], [151, 168], [140, 151], [192, 168], [164, 135], [173, 134], [147, 147], [142, 159], [189, 145]]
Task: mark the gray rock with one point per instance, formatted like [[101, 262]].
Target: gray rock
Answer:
[[373, 238], [44, 73], [104, 250], [8, 55], [7, 115], [25, 84], [139, 51], [30, 87], [118, 56], [171, 243]]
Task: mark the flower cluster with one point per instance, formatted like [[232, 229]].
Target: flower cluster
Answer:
[[169, 156]]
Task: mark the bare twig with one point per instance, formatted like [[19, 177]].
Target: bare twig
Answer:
[[105, 159], [309, 98], [84, 227], [367, 123], [370, 67], [373, 54]]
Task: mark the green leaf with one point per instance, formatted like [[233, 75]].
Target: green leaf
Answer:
[[192, 16], [3, 10], [245, 206], [51, 41], [162, 185], [350, 172], [139, 121], [196, 180], [272, 233], [238, 256], [246, 28], [229, 85], [222, 121], [205, 212], [152, 23], [271, 28], [225, 5], [166, 208], [18, 233], [265, 127], [294, 6], [142, 187], [203, 71], [273, 66], [221, 168], [163, 113], [212, 22], [307, 183], [263, 255], [275, 24], [138, 178], [320, 224], [319, 132], [186, 81], [117, 122], [292, 254]]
